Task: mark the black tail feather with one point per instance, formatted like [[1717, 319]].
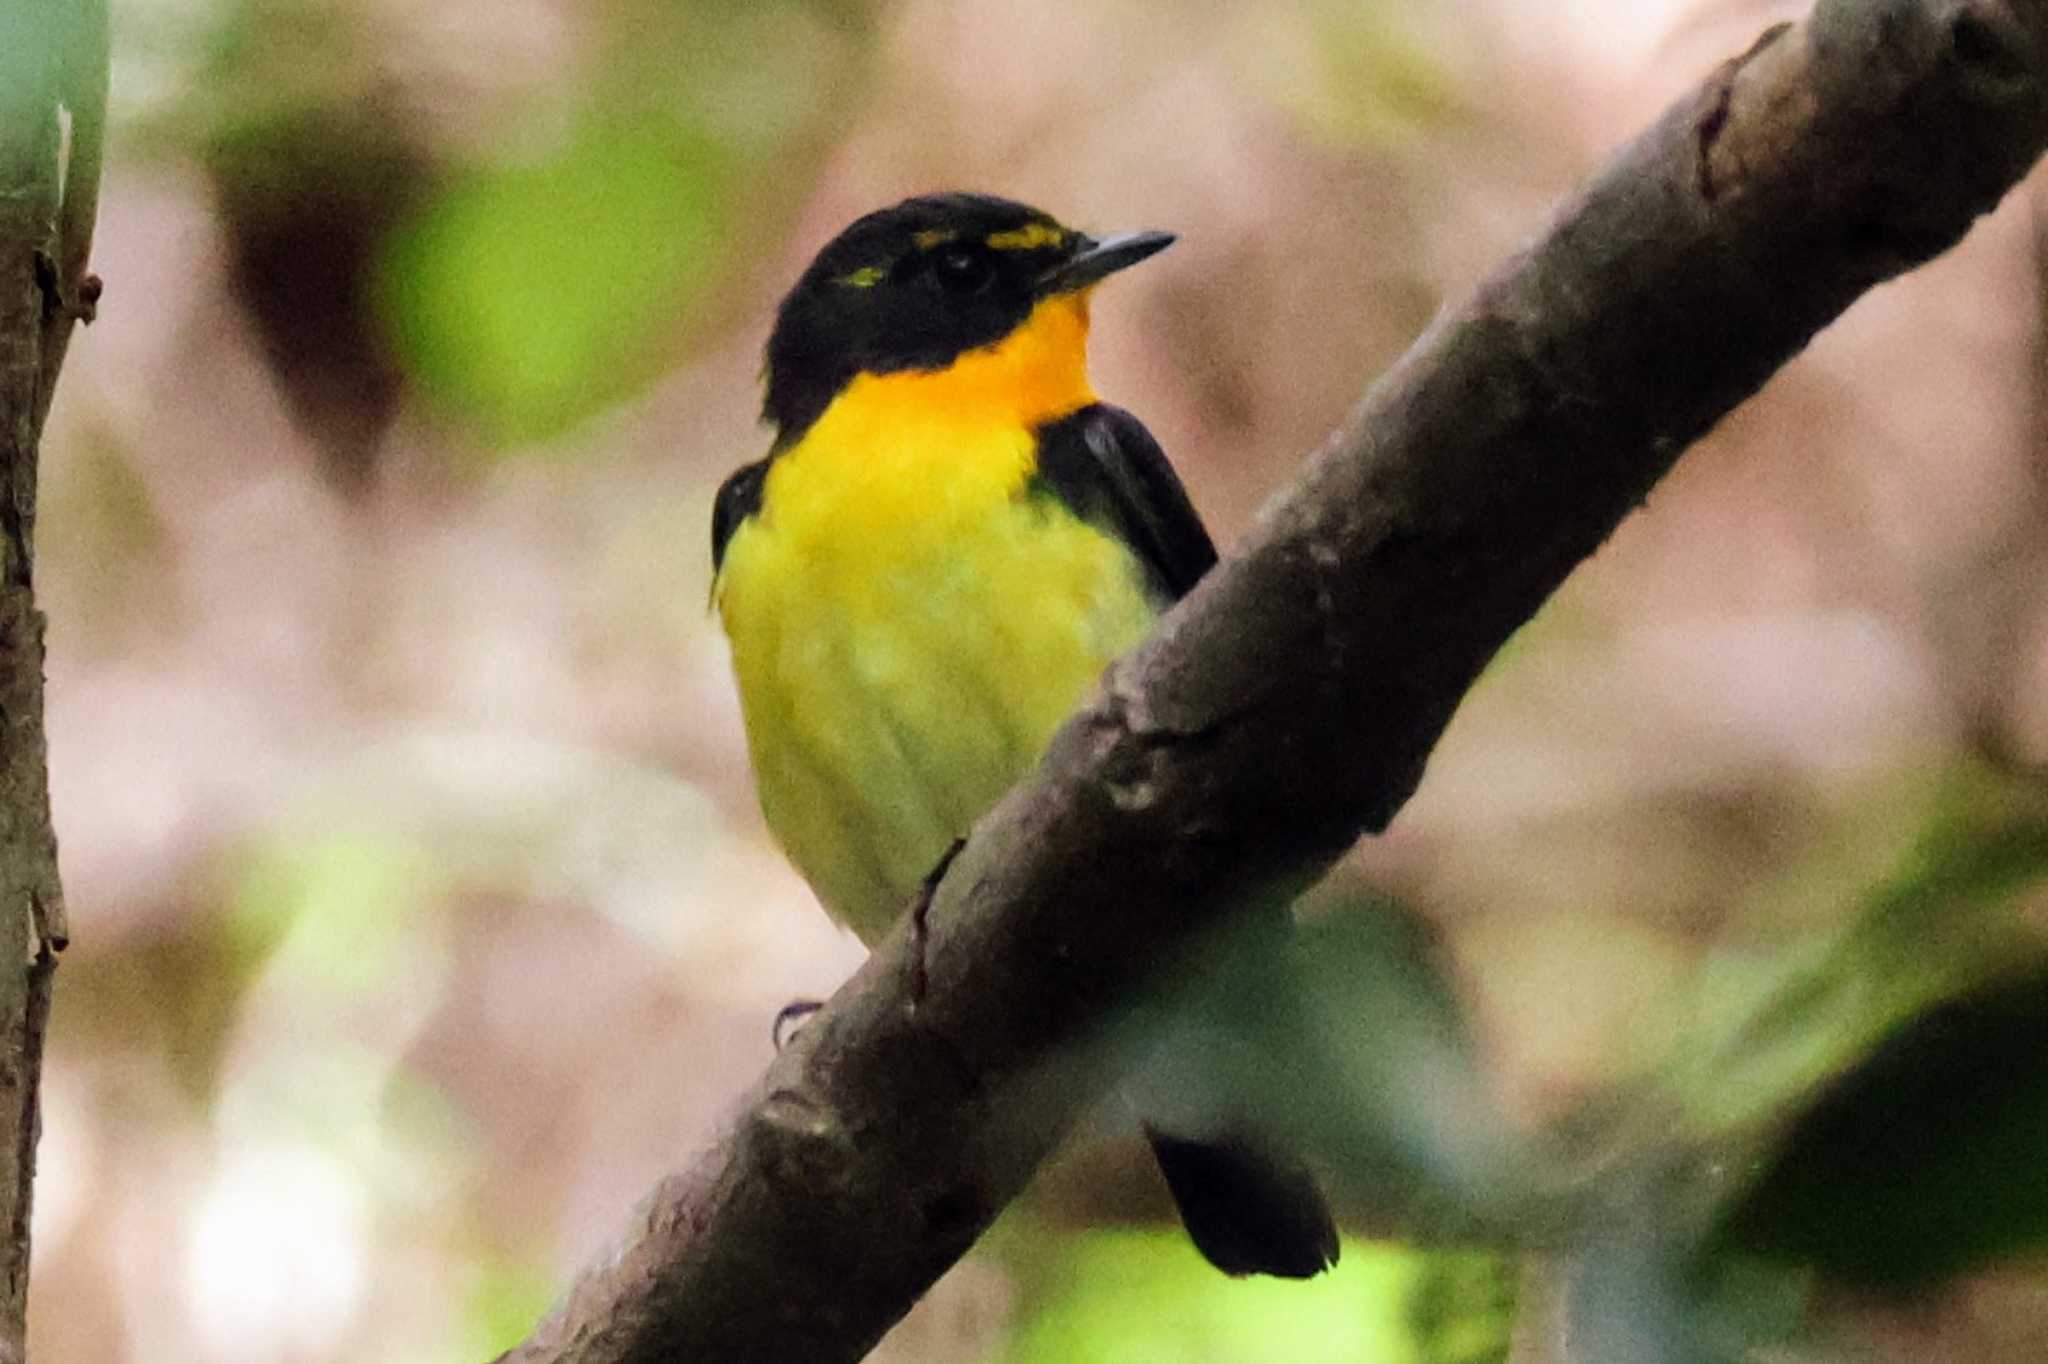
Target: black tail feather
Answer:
[[1248, 1210]]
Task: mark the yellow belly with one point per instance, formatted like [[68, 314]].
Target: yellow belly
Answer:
[[908, 628]]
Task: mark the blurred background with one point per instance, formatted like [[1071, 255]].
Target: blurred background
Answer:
[[421, 911]]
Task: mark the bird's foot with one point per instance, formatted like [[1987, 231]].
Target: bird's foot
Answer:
[[789, 1017]]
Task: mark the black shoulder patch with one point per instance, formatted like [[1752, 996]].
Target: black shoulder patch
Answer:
[[739, 497], [1103, 465]]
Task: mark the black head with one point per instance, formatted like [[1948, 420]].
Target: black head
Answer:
[[914, 286]]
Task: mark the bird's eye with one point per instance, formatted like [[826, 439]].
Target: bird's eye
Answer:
[[960, 271]]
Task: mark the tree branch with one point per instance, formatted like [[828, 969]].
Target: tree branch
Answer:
[[53, 93], [1288, 705]]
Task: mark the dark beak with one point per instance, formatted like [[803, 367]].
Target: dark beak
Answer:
[[1095, 260]]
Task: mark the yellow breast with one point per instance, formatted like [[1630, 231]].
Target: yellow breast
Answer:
[[909, 624]]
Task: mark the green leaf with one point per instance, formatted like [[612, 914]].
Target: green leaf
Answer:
[[53, 97], [1135, 1295], [1944, 915], [1923, 1162], [530, 297], [506, 1297], [1344, 1040], [1988, 840], [341, 910]]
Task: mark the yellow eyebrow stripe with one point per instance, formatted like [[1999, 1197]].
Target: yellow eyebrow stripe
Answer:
[[1029, 237]]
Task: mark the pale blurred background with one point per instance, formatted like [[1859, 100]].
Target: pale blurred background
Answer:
[[421, 912]]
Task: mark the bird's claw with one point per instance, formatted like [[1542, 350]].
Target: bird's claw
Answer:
[[789, 1017]]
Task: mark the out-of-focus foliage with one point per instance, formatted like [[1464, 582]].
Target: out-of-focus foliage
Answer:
[[1949, 912], [1342, 1039], [527, 282], [53, 104], [1888, 1134], [505, 1300], [1914, 1164], [311, 165], [338, 909], [532, 296], [1360, 75], [1145, 1295], [1922, 1162]]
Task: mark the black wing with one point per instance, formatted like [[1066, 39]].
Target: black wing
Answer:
[[1104, 466], [739, 497]]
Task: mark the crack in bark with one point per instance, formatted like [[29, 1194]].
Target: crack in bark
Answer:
[[920, 925]]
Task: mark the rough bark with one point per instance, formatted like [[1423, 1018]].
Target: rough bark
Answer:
[[1289, 704], [53, 89]]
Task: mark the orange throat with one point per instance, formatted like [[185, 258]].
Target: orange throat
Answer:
[[1036, 374]]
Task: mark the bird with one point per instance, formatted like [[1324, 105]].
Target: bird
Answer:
[[949, 539]]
